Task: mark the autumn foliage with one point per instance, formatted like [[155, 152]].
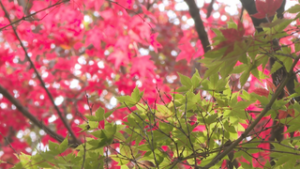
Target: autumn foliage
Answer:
[[149, 84]]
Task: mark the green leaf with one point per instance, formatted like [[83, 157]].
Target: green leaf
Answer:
[[255, 72], [231, 24], [127, 101], [280, 104], [275, 67], [212, 70], [243, 58], [244, 77], [136, 95], [283, 23], [186, 81], [93, 124], [229, 127], [183, 89], [297, 16], [120, 161], [263, 100], [212, 118], [165, 127], [288, 62], [227, 68], [110, 130], [295, 106], [107, 114], [163, 110], [246, 165], [292, 128], [214, 78], [54, 147], [214, 54], [263, 60], [98, 134], [100, 114], [84, 127], [217, 31], [63, 146], [297, 46], [239, 69], [196, 79], [294, 9]]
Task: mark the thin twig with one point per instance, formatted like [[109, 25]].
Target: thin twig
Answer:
[[255, 159], [151, 130], [84, 151], [88, 103], [146, 135], [106, 159], [28, 16], [32, 118], [10, 145], [270, 150], [188, 132], [210, 9], [131, 152], [39, 77]]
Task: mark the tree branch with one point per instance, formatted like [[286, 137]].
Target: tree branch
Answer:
[[194, 12], [30, 15], [210, 9], [33, 119], [39, 77], [277, 132], [261, 115]]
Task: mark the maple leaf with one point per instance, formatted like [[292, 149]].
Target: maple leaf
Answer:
[[142, 65], [187, 52], [261, 92], [154, 42], [271, 87], [64, 64], [58, 39], [266, 8], [119, 58], [122, 43], [231, 36], [94, 37], [5, 56]]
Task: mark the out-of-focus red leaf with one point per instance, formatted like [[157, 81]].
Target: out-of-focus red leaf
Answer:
[[266, 8], [261, 92]]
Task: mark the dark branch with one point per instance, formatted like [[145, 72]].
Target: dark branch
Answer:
[[194, 12], [39, 77], [31, 15], [33, 119], [278, 76], [210, 9]]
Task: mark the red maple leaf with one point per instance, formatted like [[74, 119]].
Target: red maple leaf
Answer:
[[266, 8], [154, 42], [142, 65], [261, 92], [232, 36], [271, 87], [119, 58], [5, 56]]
